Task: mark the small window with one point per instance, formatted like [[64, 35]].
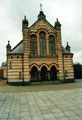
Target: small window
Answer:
[[19, 75], [10, 65], [11, 57], [66, 56], [65, 73], [17, 56]]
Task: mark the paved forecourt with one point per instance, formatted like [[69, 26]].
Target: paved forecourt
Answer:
[[42, 105]]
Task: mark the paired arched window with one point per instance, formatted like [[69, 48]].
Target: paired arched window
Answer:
[[51, 45], [33, 45], [42, 39]]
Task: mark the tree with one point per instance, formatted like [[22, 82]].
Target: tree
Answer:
[[77, 71]]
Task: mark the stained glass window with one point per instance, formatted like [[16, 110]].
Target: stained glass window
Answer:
[[42, 37], [51, 45], [33, 45]]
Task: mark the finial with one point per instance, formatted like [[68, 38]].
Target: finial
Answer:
[[40, 7], [57, 19], [57, 24], [8, 41], [25, 21], [8, 45], [24, 17], [68, 47]]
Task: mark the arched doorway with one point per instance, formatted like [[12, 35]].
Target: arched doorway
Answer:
[[53, 73], [44, 76], [34, 74]]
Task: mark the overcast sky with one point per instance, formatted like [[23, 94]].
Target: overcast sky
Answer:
[[69, 13]]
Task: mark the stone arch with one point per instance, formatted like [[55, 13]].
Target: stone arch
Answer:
[[53, 73], [34, 65], [42, 29], [34, 74], [51, 34], [44, 73], [33, 33], [44, 64], [53, 64]]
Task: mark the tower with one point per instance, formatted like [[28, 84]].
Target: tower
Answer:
[[59, 49], [8, 47], [68, 47], [26, 71]]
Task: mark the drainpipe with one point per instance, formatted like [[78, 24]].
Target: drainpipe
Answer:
[[63, 68], [22, 70]]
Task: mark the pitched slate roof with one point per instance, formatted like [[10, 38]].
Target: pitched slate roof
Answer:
[[3, 64], [18, 49], [64, 51]]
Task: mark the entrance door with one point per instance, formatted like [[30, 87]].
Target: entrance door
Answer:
[[34, 74], [44, 76], [53, 73]]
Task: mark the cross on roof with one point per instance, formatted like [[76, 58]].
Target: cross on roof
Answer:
[[40, 7]]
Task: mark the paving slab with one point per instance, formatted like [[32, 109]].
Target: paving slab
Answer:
[[42, 105], [47, 102]]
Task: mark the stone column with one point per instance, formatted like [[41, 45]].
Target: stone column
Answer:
[[38, 45], [39, 75], [47, 45], [48, 75]]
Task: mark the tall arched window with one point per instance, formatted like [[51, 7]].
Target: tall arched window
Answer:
[[33, 45], [42, 36], [51, 45]]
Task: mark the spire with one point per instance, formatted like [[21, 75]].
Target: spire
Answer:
[[57, 24], [68, 47], [41, 14], [8, 45], [25, 21]]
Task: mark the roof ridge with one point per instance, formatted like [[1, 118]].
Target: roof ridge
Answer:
[[17, 45], [45, 21]]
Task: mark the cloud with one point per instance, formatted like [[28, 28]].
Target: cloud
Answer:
[[78, 57], [68, 13]]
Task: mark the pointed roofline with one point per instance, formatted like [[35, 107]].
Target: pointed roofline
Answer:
[[17, 45], [11, 53], [45, 21]]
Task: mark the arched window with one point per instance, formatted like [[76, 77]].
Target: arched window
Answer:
[[33, 45], [42, 37], [51, 45], [34, 74], [53, 73], [10, 66]]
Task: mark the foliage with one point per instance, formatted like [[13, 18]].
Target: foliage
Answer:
[[77, 71]]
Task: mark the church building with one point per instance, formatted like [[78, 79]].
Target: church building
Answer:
[[39, 56]]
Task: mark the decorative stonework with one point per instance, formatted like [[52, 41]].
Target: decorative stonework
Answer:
[[25, 67]]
